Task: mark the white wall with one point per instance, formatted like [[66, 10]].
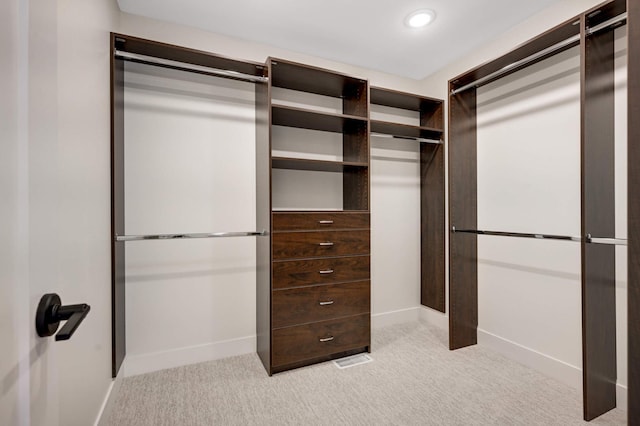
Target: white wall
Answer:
[[528, 181], [189, 168]]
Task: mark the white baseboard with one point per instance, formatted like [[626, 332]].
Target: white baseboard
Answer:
[[435, 318], [107, 404], [552, 367], [146, 363], [394, 317]]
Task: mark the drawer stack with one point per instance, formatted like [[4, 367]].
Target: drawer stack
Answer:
[[320, 301]]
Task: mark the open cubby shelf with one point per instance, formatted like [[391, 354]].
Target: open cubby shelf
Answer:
[[303, 118]]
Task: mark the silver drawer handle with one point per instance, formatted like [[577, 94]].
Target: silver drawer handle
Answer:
[[327, 339], [328, 271], [330, 302], [325, 222], [327, 244]]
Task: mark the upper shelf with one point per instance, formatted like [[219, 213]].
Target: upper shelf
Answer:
[[315, 120], [295, 76], [396, 99], [397, 129]]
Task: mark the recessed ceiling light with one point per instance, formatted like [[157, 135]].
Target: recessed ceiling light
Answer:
[[420, 18]]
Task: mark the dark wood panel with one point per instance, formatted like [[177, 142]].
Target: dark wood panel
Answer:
[[320, 303], [355, 188], [299, 343], [355, 143], [118, 330], [315, 165], [402, 100], [183, 54], [315, 120], [463, 248], [633, 209], [263, 221], [355, 100], [299, 245], [397, 129], [296, 76], [297, 273], [432, 227], [598, 219], [307, 221]]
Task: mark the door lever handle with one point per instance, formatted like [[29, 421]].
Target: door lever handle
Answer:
[[50, 312]]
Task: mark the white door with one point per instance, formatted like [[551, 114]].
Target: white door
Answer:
[[28, 383]]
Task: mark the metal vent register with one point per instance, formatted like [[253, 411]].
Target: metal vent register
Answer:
[[353, 360]]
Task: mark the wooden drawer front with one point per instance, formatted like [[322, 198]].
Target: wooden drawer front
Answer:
[[291, 245], [320, 303], [296, 273], [318, 221], [305, 342]]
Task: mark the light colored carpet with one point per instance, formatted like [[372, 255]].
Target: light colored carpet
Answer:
[[413, 380]]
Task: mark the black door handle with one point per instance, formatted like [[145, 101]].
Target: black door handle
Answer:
[[50, 312]]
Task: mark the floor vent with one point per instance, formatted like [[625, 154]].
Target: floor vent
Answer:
[[351, 361]]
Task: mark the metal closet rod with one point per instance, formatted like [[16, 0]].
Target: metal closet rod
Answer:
[[587, 239], [409, 138], [189, 236], [152, 60], [540, 54]]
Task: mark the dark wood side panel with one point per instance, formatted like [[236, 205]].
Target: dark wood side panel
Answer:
[[263, 221], [297, 273], [432, 226], [118, 331], [633, 28], [598, 219], [463, 248], [355, 188]]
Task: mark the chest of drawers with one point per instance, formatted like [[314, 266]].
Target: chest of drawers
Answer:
[[320, 293]]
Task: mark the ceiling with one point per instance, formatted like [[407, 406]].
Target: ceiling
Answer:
[[369, 34]]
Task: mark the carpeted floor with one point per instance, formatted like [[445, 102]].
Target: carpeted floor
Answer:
[[413, 380]]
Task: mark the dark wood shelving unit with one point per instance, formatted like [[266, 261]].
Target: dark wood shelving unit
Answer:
[[313, 165], [316, 120], [432, 189], [597, 191], [313, 288]]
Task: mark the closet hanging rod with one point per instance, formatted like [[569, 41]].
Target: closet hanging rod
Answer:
[[588, 239], [609, 241], [188, 236], [551, 49], [409, 138], [184, 66], [517, 234]]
